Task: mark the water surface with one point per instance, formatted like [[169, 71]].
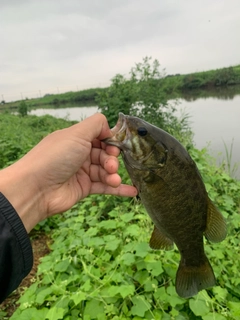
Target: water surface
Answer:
[[214, 122], [73, 113]]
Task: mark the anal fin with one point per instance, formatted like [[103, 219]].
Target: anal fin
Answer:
[[160, 241], [216, 230]]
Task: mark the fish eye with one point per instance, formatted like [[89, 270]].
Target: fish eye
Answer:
[[142, 131]]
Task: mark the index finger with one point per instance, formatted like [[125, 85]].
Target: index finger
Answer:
[[112, 150], [94, 127]]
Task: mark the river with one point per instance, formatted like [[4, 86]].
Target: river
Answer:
[[214, 121]]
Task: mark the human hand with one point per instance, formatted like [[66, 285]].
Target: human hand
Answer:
[[65, 167]]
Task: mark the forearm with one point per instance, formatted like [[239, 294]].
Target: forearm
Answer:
[[18, 185]]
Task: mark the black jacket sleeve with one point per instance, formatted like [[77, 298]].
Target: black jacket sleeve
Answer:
[[16, 257]]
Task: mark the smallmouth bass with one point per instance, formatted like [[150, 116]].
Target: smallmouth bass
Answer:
[[173, 193]]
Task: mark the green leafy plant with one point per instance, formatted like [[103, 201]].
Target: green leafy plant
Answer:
[[231, 168], [101, 266], [19, 134], [23, 109], [142, 95]]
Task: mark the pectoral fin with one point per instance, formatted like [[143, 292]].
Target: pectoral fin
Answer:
[[160, 241], [216, 230]]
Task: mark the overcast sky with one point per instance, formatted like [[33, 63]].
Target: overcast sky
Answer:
[[62, 45]]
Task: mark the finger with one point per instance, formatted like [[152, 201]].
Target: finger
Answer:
[[113, 180], [94, 127], [123, 190], [99, 174], [97, 144], [112, 150], [109, 163]]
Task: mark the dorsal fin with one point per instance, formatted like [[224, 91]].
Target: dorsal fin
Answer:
[[160, 241], [216, 229]]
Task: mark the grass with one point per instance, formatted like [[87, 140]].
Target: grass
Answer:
[[230, 168]]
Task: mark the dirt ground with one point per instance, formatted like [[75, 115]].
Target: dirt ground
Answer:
[[40, 242]]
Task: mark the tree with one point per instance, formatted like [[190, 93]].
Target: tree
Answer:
[[142, 95], [139, 95], [23, 109]]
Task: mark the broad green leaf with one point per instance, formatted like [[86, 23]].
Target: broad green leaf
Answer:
[[150, 285], [108, 224], [117, 277], [101, 316], [41, 296], [141, 264], [170, 269], [128, 258], [29, 295], [78, 297], [62, 266], [132, 230], [126, 290], [86, 286], [181, 317], [174, 313], [160, 294], [63, 302], [93, 308], [220, 293], [214, 316], [157, 314], [129, 247], [140, 306], [112, 291], [92, 231], [142, 249], [141, 276], [113, 245], [173, 297], [55, 313], [127, 217], [155, 267], [199, 307], [234, 309], [166, 316], [30, 314]]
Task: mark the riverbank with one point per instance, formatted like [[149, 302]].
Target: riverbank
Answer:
[[174, 86]]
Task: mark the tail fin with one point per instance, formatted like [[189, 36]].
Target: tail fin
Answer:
[[192, 279]]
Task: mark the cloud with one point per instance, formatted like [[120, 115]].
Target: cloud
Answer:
[[69, 43]]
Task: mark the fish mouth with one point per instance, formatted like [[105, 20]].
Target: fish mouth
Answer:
[[119, 132]]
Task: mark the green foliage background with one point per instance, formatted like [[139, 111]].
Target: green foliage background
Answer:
[[172, 86], [141, 94], [19, 134], [100, 265]]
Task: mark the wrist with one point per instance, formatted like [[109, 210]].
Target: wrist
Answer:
[[18, 185]]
